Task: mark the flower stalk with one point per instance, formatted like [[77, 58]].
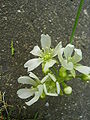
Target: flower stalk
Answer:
[[76, 20]]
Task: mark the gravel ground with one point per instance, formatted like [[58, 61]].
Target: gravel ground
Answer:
[[23, 21]]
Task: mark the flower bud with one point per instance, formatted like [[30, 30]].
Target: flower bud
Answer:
[[62, 72], [68, 90]]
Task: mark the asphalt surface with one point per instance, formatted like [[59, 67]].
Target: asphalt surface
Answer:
[[23, 21]]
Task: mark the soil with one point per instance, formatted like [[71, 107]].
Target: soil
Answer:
[[23, 22]]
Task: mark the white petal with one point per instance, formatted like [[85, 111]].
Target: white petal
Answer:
[[67, 65], [60, 53], [33, 63], [83, 69], [49, 64], [37, 95], [52, 94], [52, 77], [68, 50], [77, 56], [25, 93], [58, 88], [57, 49], [33, 100], [64, 63], [45, 89], [40, 89], [32, 75], [45, 41], [26, 80], [44, 79], [36, 51]]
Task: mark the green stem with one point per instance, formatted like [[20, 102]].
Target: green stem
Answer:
[[64, 84], [55, 71], [76, 20]]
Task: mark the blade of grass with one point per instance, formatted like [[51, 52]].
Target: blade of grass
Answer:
[[36, 116], [76, 20], [12, 48]]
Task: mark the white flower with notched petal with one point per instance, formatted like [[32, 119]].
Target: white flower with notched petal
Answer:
[[36, 90], [70, 61], [45, 55]]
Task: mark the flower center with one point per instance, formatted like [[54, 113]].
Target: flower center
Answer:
[[47, 57]]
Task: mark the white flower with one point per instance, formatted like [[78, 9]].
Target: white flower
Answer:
[[36, 89], [51, 86], [45, 55], [68, 90], [70, 61]]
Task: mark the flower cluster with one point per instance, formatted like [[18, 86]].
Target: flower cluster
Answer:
[[54, 81]]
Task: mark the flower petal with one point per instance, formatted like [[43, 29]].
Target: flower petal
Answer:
[[32, 75], [83, 69], [45, 89], [37, 95], [36, 51], [58, 88], [33, 63], [77, 56], [44, 79], [67, 65], [68, 50], [60, 53], [49, 64], [52, 77], [52, 94], [45, 41], [57, 48], [40, 89], [34, 99], [26, 80], [25, 93]]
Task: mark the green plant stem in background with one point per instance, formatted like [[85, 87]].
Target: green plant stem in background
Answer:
[[76, 20]]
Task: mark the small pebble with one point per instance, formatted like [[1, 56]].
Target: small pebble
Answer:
[[80, 116], [50, 20], [47, 104], [5, 18], [87, 81], [85, 12], [18, 11], [17, 42], [24, 107]]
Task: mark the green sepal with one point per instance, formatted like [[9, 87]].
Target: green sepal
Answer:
[[85, 77]]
